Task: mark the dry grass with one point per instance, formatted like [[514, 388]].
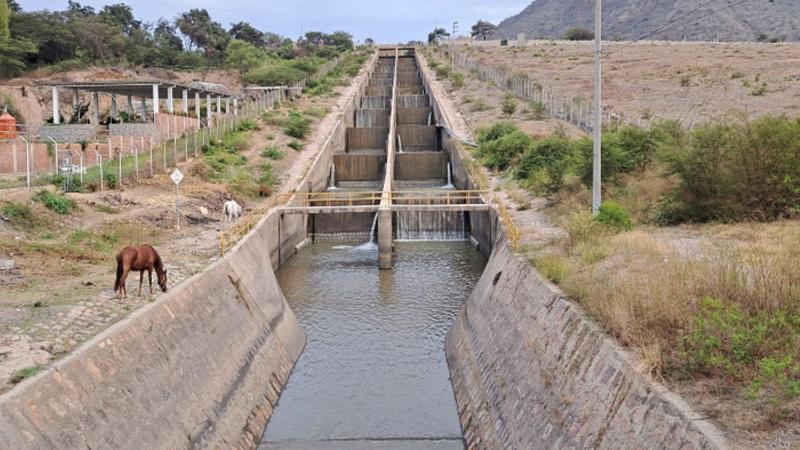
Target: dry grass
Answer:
[[649, 290]]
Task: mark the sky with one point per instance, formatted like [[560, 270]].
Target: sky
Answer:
[[384, 21]]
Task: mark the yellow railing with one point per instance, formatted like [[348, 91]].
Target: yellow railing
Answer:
[[331, 198], [231, 235], [437, 197]]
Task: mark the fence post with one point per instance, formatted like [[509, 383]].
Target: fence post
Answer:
[[100, 162], [151, 162], [136, 162], [119, 182]]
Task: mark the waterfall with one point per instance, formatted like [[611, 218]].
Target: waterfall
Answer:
[[332, 184], [430, 117], [449, 184], [430, 225], [399, 144], [372, 231], [372, 244]]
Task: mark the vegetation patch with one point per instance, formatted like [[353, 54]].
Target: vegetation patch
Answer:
[[24, 374], [60, 204], [18, 214]]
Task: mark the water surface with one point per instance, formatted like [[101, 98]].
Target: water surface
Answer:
[[373, 373]]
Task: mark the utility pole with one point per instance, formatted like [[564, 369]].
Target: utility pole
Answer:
[[598, 117], [455, 30]]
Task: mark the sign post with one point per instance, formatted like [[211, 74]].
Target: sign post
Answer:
[[177, 177]]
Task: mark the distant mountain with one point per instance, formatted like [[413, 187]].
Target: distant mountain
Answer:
[[629, 19]]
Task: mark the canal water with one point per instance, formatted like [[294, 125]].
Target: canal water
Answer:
[[373, 373]]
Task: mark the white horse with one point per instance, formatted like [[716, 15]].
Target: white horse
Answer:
[[231, 211]]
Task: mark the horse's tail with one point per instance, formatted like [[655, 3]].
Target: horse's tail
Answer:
[[118, 281]]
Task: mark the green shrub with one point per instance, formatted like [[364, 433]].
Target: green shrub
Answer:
[[501, 153], [625, 151], [25, 373], [480, 105], [297, 145], [545, 164], [739, 171], [579, 34], [273, 153], [537, 110], [457, 80], [442, 71], [274, 73], [248, 125], [496, 131], [60, 204], [110, 181], [730, 341], [509, 104], [613, 215], [18, 214], [298, 126]]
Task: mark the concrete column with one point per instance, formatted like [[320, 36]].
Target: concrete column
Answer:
[[170, 105], [96, 107], [155, 102], [185, 98], [208, 108], [227, 106], [114, 106], [197, 107], [130, 105], [75, 98], [219, 105], [235, 106], [56, 111], [385, 238], [144, 109]]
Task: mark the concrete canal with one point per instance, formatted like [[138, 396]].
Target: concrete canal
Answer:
[[374, 369]]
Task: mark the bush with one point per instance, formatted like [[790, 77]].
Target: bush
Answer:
[[501, 144], [728, 341], [110, 181], [274, 73], [625, 151], [298, 126], [18, 214], [509, 104], [739, 171], [545, 164], [248, 125], [496, 131], [479, 105], [457, 80], [614, 216], [579, 34], [273, 153], [296, 145], [60, 204]]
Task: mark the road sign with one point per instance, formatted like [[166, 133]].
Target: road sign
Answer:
[[177, 176]]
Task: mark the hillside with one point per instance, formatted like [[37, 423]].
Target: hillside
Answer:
[[630, 19]]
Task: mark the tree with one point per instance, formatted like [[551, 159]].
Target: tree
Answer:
[[121, 15], [436, 34], [202, 32], [243, 31], [483, 29], [242, 56], [579, 34], [341, 40], [5, 17], [272, 40], [369, 41]]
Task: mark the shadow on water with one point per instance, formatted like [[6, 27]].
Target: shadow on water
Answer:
[[373, 373]]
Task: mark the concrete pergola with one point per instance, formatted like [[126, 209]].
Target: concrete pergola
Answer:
[[144, 90]]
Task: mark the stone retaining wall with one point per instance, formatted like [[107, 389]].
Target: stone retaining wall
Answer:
[[530, 371]]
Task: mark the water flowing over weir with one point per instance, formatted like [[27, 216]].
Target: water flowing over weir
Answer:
[[374, 367], [430, 226]]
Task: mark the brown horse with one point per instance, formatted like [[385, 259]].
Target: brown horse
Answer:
[[140, 258]]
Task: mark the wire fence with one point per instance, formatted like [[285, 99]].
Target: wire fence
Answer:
[[573, 109]]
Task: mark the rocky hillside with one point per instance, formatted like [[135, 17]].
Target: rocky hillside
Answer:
[[728, 20]]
